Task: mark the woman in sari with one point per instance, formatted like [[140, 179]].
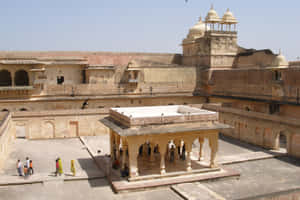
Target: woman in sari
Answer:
[[60, 169]]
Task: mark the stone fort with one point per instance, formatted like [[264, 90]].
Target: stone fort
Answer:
[[65, 94]]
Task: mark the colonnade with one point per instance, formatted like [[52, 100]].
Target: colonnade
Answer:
[[126, 150]]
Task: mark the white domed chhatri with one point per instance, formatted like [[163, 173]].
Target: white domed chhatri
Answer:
[[280, 61], [228, 18], [212, 16]]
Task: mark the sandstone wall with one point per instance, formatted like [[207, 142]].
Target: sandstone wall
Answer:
[[58, 103], [60, 124], [7, 135], [260, 129], [257, 84]]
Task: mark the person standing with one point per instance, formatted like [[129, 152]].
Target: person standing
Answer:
[[60, 168], [19, 168], [73, 170], [30, 167], [27, 162], [56, 166], [25, 171]]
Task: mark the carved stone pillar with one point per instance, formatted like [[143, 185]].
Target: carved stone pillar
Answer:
[[112, 144], [133, 163], [117, 146], [188, 148], [152, 157], [163, 149], [213, 144], [177, 154], [145, 149], [201, 142], [124, 155]]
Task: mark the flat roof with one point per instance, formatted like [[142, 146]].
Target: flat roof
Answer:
[[158, 111], [161, 129], [150, 115]]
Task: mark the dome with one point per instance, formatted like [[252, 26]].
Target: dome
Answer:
[[212, 16], [199, 27], [198, 30], [228, 18], [280, 61]]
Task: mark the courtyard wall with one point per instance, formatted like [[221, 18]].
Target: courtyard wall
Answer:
[[60, 123], [260, 128], [7, 135]]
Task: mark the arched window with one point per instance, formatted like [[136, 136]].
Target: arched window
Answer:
[[21, 78], [5, 78], [4, 110]]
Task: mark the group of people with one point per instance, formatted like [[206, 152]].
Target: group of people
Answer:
[[59, 168], [26, 169]]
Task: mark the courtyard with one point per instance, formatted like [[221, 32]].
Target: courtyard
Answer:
[[262, 172]]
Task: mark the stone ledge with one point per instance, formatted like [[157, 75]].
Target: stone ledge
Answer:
[[124, 185]]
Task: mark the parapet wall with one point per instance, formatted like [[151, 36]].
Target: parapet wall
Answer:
[[7, 135], [60, 123]]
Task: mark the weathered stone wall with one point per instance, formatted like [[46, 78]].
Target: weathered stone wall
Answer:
[[7, 135], [260, 129], [99, 102], [255, 84], [61, 124]]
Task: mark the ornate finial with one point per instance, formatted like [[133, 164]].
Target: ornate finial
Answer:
[[200, 19], [228, 10], [280, 51], [212, 6]]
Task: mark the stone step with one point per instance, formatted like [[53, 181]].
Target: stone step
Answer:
[[195, 191]]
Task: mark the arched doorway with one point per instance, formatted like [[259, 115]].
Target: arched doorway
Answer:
[[283, 141], [48, 130], [21, 78], [5, 78]]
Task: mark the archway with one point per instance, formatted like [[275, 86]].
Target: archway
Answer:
[[5, 78], [21, 78], [283, 141], [48, 130]]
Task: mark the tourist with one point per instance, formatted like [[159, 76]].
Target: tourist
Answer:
[[116, 164], [30, 167], [172, 153], [183, 152], [73, 167], [25, 171], [19, 168], [27, 162], [60, 168], [56, 166]]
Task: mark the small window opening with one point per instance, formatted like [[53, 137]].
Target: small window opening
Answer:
[[278, 76], [274, 108], [60, 80], [23, 109]]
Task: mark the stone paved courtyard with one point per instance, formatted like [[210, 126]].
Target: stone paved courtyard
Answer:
[[258, 177], [44, 152]]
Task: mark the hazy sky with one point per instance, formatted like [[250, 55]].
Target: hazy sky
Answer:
[[141, 25]]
